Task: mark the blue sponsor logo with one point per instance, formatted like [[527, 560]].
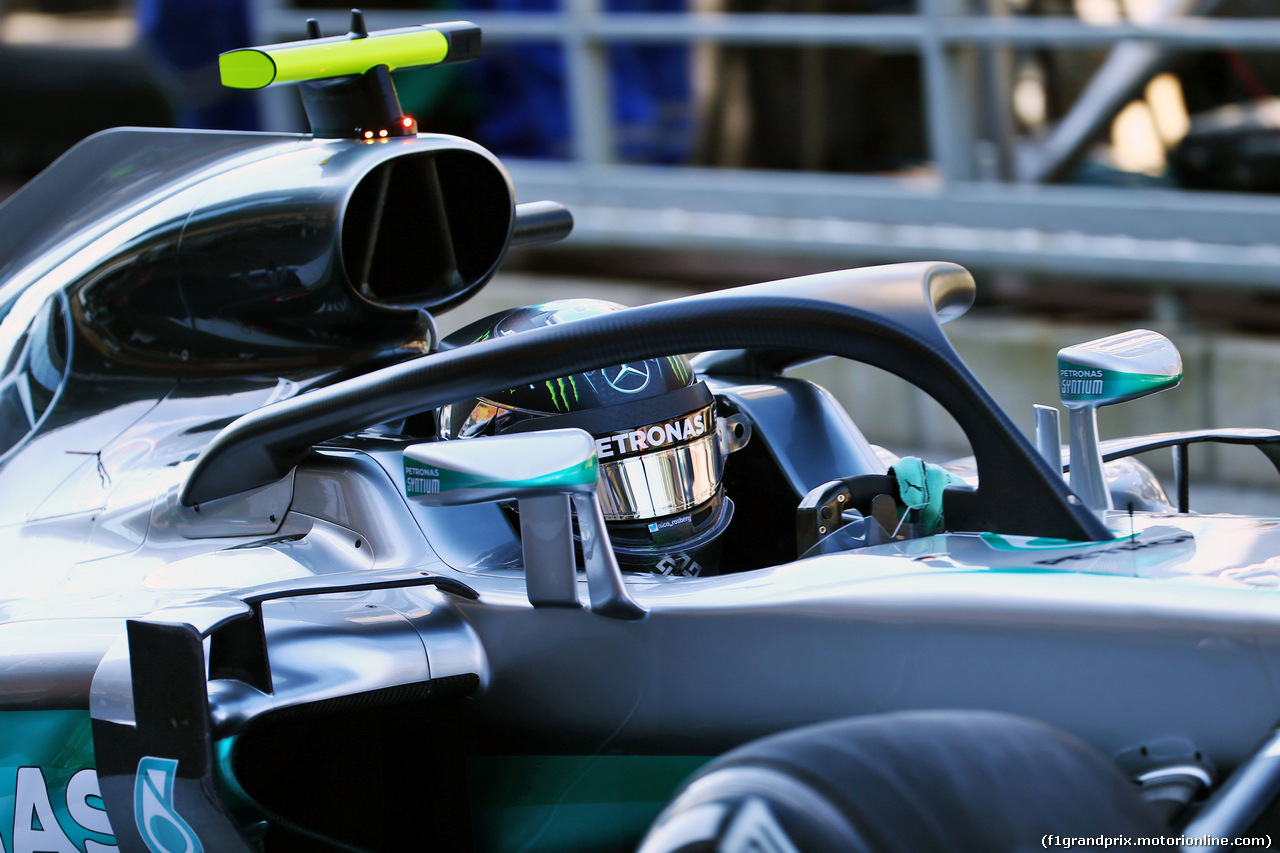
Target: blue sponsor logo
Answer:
[[162, 828]]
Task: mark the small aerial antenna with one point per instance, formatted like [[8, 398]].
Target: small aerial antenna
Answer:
[[358, 28]]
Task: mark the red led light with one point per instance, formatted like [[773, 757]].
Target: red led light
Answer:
[[382, 133], [407, 121], [368, 134]]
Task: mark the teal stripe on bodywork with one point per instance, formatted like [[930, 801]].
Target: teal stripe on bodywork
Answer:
[[1000, 543], [570, 802]]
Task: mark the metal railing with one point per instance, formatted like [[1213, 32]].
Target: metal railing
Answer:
[[1163, 237]]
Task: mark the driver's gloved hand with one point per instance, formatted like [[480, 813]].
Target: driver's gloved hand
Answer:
[[920, 487]]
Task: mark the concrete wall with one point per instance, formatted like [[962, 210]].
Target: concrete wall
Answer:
[[1230, 380]]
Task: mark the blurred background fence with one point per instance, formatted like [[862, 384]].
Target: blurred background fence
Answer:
[[1041, 137], [1133, 141]]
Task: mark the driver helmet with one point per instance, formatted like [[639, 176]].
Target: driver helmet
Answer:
[[660, 445]]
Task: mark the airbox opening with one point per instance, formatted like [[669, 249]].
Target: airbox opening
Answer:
[[426, 229]]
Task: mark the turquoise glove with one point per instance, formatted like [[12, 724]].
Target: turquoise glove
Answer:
[[920, 486]]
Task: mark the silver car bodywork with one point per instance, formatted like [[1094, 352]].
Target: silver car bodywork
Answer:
[[215, 584]]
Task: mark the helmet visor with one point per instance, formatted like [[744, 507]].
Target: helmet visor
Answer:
[[663, 481]]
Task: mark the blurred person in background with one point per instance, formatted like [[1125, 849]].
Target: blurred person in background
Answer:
[[184, 38]]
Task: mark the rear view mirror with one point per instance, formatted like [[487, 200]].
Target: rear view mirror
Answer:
[[1104, 372], [545, 473], [1117, 369], [511, 467]]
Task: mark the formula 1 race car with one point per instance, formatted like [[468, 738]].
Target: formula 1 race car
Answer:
[[283, 570]]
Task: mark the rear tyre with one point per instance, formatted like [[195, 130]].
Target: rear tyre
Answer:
[[912, 782]]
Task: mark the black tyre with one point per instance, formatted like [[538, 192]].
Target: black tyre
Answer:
[[912, 782]]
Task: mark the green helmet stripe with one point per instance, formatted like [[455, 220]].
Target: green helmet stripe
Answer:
[[677, 364]]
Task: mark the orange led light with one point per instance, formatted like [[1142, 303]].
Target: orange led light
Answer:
[[382, 133], [368, 134]]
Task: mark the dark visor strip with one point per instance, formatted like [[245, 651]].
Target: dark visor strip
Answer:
[[610, 419]]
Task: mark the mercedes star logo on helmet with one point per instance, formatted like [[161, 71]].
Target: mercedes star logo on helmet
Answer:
[[628, 378]]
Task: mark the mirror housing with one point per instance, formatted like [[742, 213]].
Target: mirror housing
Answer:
[[543, 472], [507, 467], [1103, 372]]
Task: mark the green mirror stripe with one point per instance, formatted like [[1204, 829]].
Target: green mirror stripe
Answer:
[[1080, 382], [423, 479], [294, 62]]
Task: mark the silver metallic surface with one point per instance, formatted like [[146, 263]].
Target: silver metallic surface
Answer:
[[1132, 484], [257, 511], [546, 537], [609, 594], [351, 490], [1086, 476], [1178, 770], [365, 646], [50, 663], [453, 647], [369, 641], [111, 695], [1048, 434], [661, 482], [942, 621], [111, 692], [734, 432]]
